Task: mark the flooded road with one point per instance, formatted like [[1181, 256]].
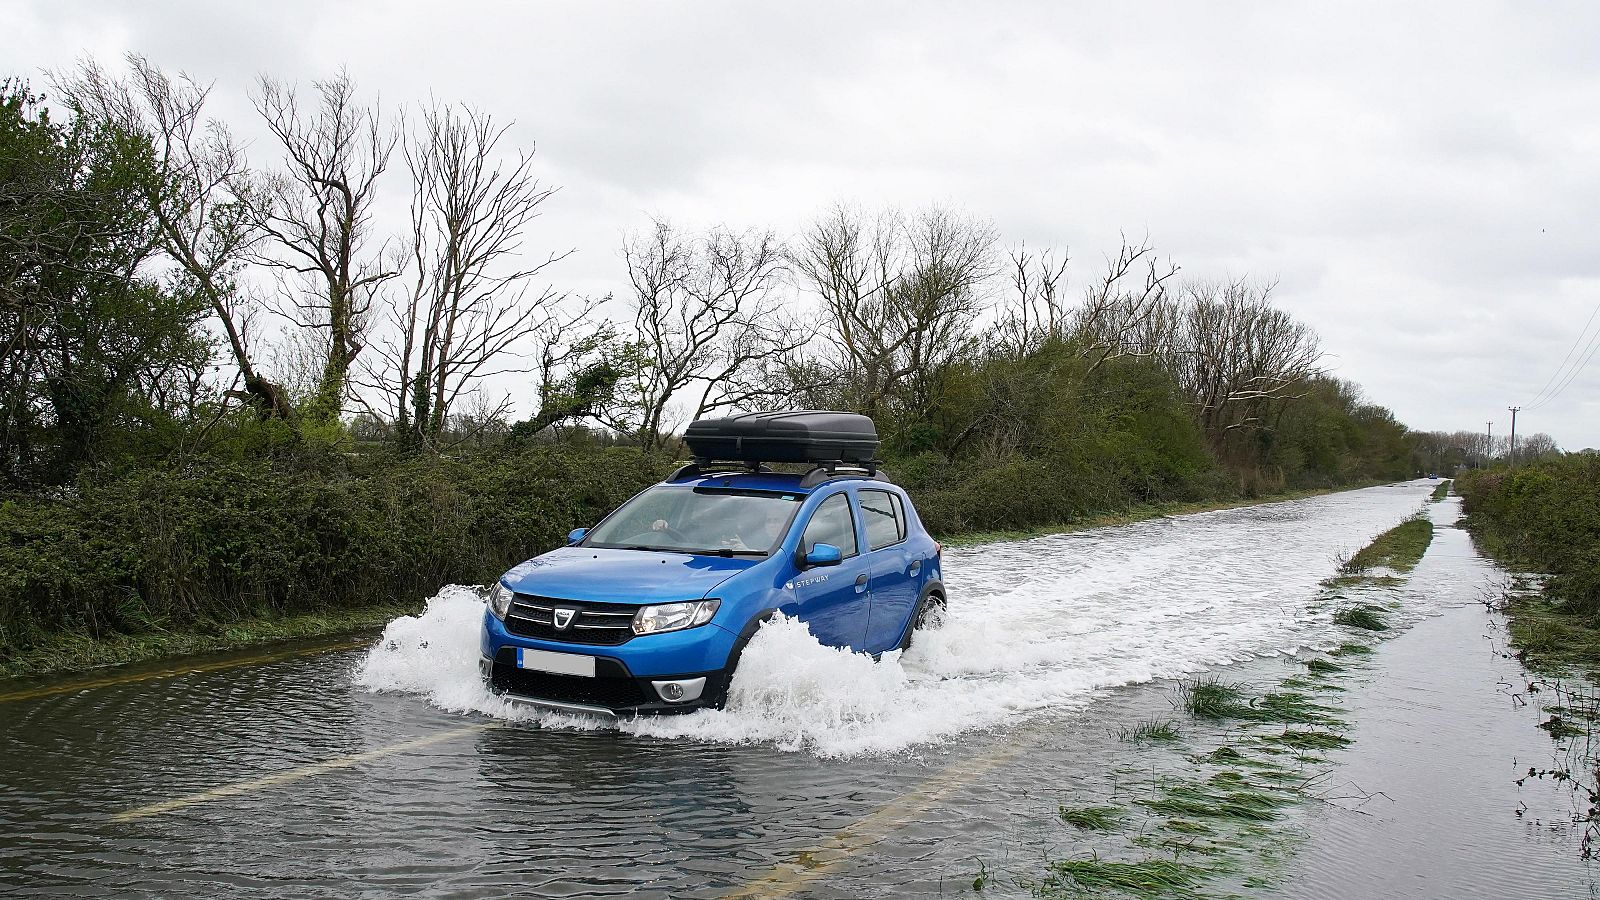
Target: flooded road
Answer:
[[389, 771]]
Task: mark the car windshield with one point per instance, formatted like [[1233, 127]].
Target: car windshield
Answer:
[[723, 521]]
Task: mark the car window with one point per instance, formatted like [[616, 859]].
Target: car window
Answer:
[[700, 519], [883, 518], [832, 523], [900, 507]]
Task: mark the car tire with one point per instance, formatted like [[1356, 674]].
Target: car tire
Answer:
[[929, 613]]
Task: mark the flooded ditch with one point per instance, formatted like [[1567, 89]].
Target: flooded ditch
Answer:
[[1043, 724]]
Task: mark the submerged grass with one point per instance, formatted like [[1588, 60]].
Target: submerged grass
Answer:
[[1292, 707], [1143, 878], [1209, 800], [1350, 649], [1560, 728], [1319, 666], [1308, 740], [1215, 700], [1092, 818], [1224, 755], [1362, 615], [1442, 491], [1153, 731], [1212, 698]]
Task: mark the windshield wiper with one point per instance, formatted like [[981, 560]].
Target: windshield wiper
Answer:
[[720, 551]]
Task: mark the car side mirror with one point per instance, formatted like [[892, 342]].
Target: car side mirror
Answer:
[[823, 555], [576, 535]]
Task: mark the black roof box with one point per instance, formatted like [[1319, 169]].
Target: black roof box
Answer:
[[797, 436]]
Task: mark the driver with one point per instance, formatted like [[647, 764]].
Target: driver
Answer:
[[760, 530], [755, 530]]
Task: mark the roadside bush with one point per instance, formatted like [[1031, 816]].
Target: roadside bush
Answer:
[[166, 548], [1544, 516]]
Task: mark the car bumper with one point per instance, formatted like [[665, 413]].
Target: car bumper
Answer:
[[629, 678]]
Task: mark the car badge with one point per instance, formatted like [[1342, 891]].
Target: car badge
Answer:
[[563, 618]]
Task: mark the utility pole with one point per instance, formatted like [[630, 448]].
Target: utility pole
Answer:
[[1514, 411], [1488, 446]]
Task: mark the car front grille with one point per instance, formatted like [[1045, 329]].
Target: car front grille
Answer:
[[606, 624], [611, 692]]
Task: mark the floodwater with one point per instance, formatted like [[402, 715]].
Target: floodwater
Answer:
[[390, 771], [1426, 801]]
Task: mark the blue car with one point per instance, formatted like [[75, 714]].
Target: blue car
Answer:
[[649, 610]]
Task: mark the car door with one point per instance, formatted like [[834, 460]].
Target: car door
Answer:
[[892, 575], [832, 600]]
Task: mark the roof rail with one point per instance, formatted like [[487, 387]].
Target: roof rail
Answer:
[[702, 467], [825, 471]]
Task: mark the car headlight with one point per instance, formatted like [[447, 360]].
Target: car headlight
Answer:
[[673, 616], [500, 600]]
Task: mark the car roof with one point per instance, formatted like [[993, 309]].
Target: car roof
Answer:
[[783, 482]]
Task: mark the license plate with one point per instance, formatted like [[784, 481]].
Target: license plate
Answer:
[[556, 663]]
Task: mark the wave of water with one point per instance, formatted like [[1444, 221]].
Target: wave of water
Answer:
[[1033, 625]]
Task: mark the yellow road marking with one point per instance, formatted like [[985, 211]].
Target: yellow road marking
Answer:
[[787, 878], [285, 777], [86, 683]]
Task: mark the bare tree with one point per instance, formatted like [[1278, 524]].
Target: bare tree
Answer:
[[707, 313], [1123, 314], [1537, 446], [202, 222], [901, 294], [1235, 354], [317, 213], [1036, 310], [470, 303]]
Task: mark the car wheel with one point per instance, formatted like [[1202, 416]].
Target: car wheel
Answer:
[[929, 614]]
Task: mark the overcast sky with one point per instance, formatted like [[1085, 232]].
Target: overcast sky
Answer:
[[1424, 182]]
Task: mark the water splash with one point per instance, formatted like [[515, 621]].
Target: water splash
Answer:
[[1035, 625]]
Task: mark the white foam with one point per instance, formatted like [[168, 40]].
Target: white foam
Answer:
[[1032, 625]]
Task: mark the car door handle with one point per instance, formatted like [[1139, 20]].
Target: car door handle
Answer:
[[861, 582], [916, 566]]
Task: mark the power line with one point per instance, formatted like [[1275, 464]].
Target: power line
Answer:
[[1587, 354], [1545, 395]]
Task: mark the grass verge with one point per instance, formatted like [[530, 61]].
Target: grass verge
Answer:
[[1400, 548], [78, 653], [1549, 639]]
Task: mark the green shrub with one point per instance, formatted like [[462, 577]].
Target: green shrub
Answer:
[[168, 548], [1544, 516]]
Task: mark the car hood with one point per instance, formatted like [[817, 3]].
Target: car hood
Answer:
[[623, 576]]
